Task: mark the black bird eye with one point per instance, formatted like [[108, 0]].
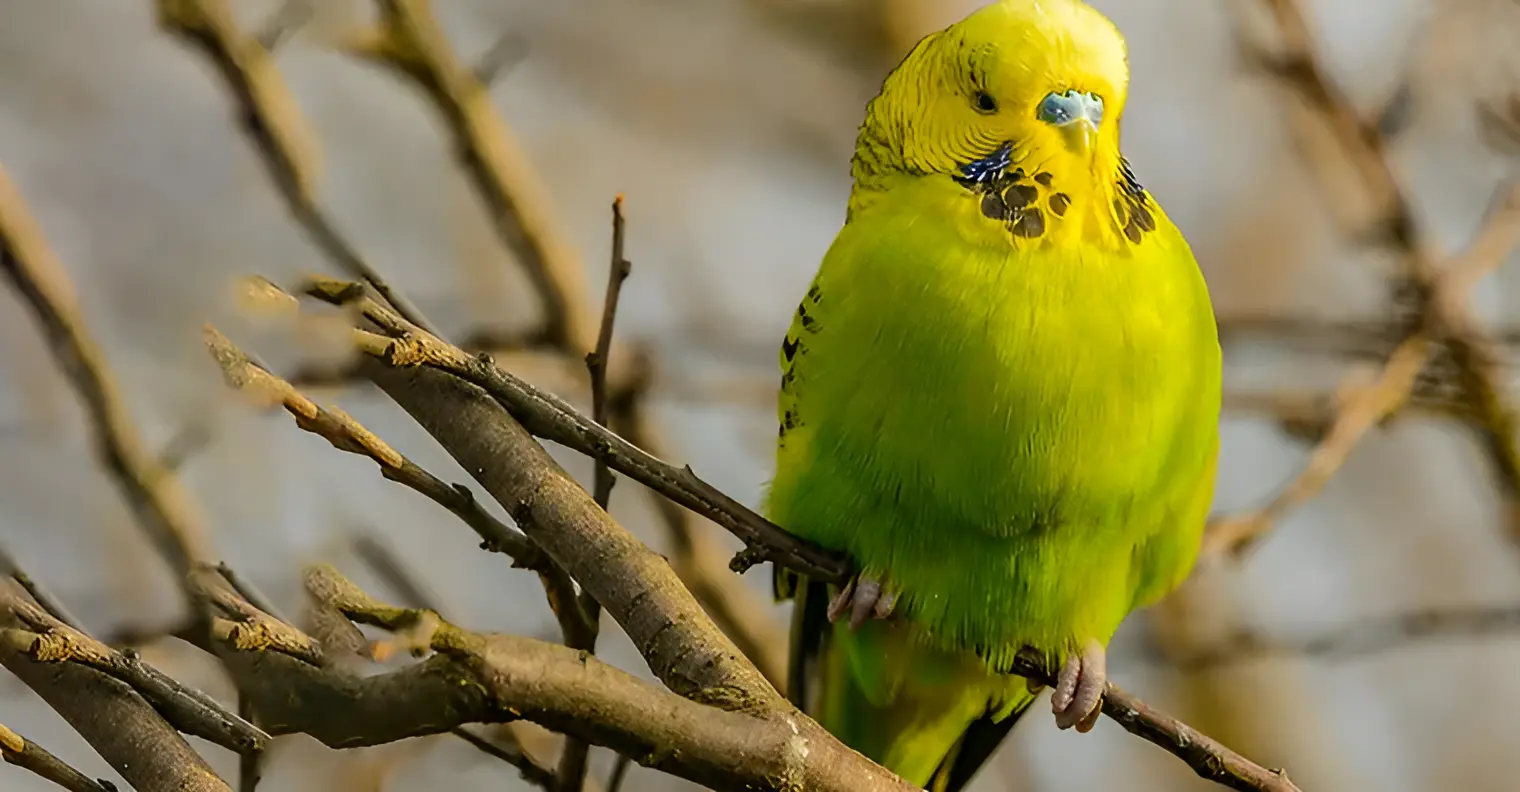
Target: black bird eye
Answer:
[[985, 103]]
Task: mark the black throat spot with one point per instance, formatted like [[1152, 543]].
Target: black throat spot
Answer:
[[1014, 198], [1025, 202]]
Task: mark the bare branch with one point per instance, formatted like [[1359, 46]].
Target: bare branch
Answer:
[[291, 15], [682, 647], [1444, 313], [572, 763], [117, 722], [704, 566], [1360, 413], [188, 710], [619, 772], [509, 50], [274, 124], [495, 678], [39, 594], [596, 360], [391, 570], [28, 755], [410, 41], [532, 771], [1440, 293], [155, 496], [1207, 757], [548, 416]]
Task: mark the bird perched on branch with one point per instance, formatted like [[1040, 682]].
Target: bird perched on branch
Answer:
[[1000, 396]]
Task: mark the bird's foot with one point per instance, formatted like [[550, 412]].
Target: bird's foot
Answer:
[[1079, 688], [864, 597]]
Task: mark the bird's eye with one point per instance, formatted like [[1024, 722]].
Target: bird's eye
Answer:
[[985, 103]]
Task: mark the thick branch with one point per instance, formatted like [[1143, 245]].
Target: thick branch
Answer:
[[188, 710], [393, 572], [634, 584], [497, 678], [548, 416], [118, 723], [347, 434]]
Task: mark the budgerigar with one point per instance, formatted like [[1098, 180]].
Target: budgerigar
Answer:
[[1000, 396]]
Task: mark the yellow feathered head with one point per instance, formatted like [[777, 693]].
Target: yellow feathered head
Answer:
[[1044, 79]]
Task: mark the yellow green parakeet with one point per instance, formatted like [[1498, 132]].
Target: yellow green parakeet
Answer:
[[1000, 396]]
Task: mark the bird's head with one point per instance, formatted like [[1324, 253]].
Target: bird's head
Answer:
[[1036, 82]]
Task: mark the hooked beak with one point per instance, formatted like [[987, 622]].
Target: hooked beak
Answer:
[[1081, 136]]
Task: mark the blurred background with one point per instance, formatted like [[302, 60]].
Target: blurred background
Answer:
[[728, 126]]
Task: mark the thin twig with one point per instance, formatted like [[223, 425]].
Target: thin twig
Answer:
[[1361, 639], [410, 41], [347, 434], [28, 755], [1207, 757], [1440, 292], [160, 504], [572, 763], [1360, 413], [619, 772], [273, 122], [532, 771], [597, 359], [250, 763], [9, 568], [1444, 312]]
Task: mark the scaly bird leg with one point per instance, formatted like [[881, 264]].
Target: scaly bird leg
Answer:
[[1079, 688], [864, 597]]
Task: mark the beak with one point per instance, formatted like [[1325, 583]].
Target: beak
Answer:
[[1080, 135]]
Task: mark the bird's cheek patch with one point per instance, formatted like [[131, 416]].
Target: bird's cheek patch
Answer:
[[1014, 198]]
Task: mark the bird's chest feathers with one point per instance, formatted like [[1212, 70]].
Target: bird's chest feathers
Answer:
[[1038, 350]]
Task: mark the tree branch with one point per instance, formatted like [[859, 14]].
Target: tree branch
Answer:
[[188, 710], [117, 722], [548, 416], [274, 124], [410, 41], [1358, 640], [572, 763], [1440, 293], [155, 496], [390, 570], [28, 755], [640, 591], [1443, 308]]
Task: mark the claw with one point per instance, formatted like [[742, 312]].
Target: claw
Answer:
[[862, 598], [1079, 688]]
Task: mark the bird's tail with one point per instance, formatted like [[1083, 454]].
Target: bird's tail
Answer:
[[930, 716]]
